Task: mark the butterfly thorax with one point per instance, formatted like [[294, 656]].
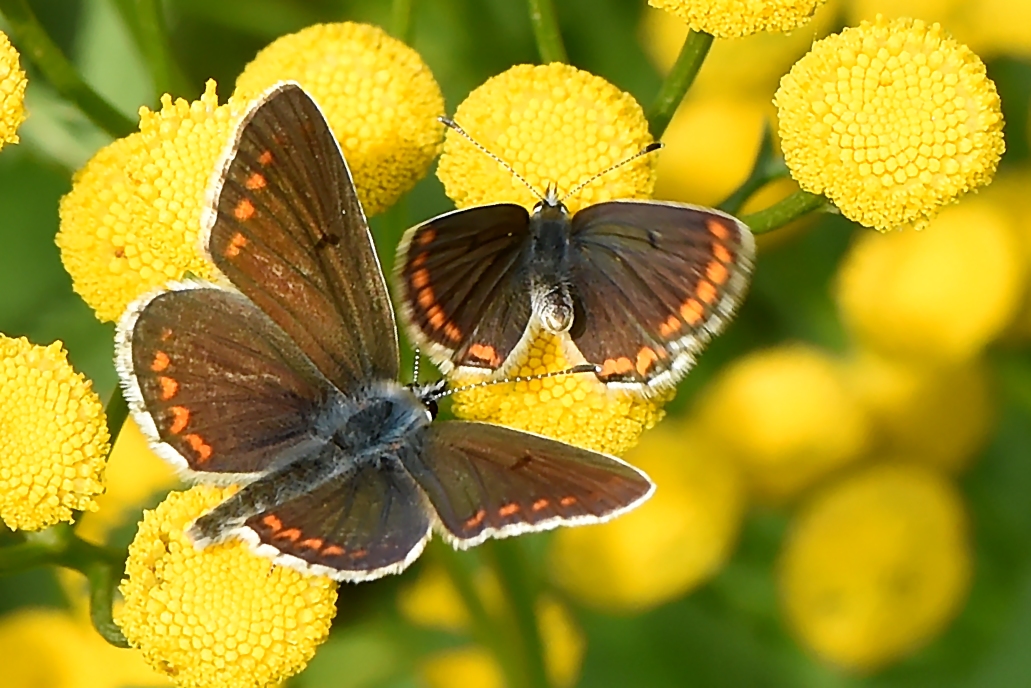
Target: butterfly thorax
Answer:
[[549, 264]]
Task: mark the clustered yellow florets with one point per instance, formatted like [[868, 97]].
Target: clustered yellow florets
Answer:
[[132, 218], [380, 98], [577, 409], [222, 615], [737, 18], [12, 92], [890, 120], [555, 125], [53, 437]]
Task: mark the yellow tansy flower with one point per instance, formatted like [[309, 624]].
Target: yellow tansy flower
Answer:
[[941, 294], [578, 409], [737, 18], [940, 416], [12, 92], [222, 615], [555, 125], [48, 648], [377, 94], [463, 666], [876, 565], [891, 121], [131, 220], [669, 545], [53, 437], [788, 416]]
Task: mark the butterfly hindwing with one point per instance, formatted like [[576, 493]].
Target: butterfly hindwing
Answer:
[[654, 283], [287, 229], [490, 481], [464, 289], [217, 386]]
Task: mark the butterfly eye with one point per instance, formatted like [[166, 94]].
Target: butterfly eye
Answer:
[[432, 407]]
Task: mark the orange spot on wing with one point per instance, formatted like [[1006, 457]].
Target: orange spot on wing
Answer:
[[646, 357], [235, 244], [333, 550], [706, 291], [721, 253], [426, 297], [476, 519], [670, 326], [616, 366], [168, 387], [197, 443], [426, 236], [160, 362], [436, 317], [419, 260], [243, 210], [420, 278], [359, 554], [293, 535], [509, 509], [718, 229], [692, 312], [255, 181], [311, 543], [540, 504], [485, 352], [180, 417], [567, 501], [272, 522], [716, 272], [265, 158], [452, 332]]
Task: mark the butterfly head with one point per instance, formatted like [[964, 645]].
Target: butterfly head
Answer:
[[429, 393]]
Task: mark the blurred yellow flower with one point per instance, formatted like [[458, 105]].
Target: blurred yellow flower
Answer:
[[134, 475], [47, 648], [555, 125], [891, 121], [710, 146], [12, 92], [130, 222], [463, 666], [937, 295], [876, 565], [669, 545], [940, 416], [379, 97], [577, 409], [787, 415], [53, 437], [737, 18], [222, 615]]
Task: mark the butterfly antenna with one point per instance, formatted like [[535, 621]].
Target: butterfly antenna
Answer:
[[415, 367], [452, 124], [582, 368], [650, 148]]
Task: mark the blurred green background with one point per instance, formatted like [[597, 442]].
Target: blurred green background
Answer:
[[728, 631]]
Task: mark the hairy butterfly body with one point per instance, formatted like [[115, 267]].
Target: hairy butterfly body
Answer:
[[639, 286], [284, 380]]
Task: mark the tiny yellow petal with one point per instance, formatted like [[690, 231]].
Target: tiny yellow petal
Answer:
[[876, 565], [222, 615], [12, 92], [379, 97], [53, 437], [737, 18], [891, 121], [555, 125]]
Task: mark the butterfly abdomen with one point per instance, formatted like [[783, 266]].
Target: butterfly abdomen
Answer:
[[549, 266]]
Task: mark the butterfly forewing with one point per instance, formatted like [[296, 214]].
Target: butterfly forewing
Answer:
[[490, 481], [463, 285], [287, 229], [215, 382], [654, 281]]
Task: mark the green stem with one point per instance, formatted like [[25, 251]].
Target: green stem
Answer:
[[546, 31], [767, 167], [518, 586], [784, 211], [678, 81], [116, 412], [401, 20], [146, 21], [32, 38]]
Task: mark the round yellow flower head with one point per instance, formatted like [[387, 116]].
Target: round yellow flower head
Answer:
[[737, 18], [556, 126], [379, 97], [669, 545], [891, 121], [130, 222], [788, 416], [578, 408], [940, 416], [876, 565], [937, 295], [12, 92], [53, 437], [222, 615]]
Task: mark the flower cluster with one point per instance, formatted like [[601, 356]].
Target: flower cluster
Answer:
[[12, 92]]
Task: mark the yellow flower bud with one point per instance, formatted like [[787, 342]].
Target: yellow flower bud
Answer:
[[737, 18]]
